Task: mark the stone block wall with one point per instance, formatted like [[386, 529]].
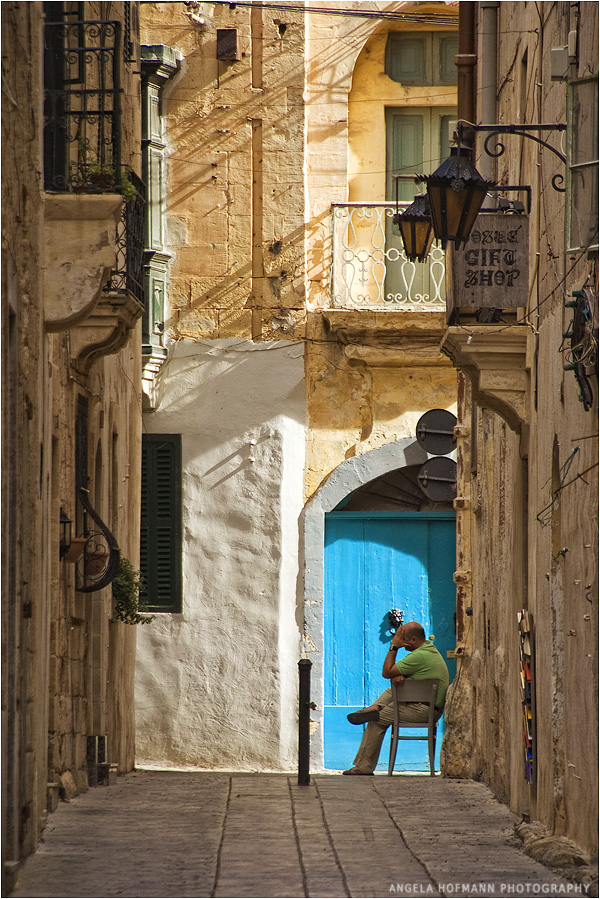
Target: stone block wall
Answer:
[[533, 494], [257, 151], [51, 636], [26, 448]]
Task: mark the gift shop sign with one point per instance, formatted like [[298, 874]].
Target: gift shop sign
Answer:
[[492, 269]]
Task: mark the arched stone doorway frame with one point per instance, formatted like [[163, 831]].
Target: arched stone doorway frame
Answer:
[[343, 480]]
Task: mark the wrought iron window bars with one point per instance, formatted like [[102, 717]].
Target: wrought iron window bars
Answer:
[[82, 107], [128, 274], [82, 134]]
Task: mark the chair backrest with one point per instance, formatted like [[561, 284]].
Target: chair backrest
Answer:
[[415, 691]]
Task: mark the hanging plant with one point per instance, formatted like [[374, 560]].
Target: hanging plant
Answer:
[[126, 595]]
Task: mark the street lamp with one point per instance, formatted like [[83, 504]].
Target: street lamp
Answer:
[[416, 228], [65, 533], [456, 192]]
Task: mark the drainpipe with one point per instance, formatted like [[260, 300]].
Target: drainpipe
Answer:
[[465, 63], [488, 77]]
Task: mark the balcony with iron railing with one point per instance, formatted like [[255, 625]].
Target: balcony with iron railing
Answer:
[[82, 106], [370, 269], [90, 192]]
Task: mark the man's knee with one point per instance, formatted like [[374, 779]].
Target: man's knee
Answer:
[[384, 699]]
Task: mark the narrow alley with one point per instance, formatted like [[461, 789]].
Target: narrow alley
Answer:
[[299, 375], [159, 833]]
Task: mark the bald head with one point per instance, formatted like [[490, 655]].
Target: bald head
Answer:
[[413, 629]]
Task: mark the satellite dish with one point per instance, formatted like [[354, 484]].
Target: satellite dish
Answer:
[[435, 432], [437, 479]]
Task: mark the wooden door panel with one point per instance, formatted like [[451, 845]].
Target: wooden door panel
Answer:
[[375, 562]]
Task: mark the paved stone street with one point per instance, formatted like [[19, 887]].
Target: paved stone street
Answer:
[[159, 833]]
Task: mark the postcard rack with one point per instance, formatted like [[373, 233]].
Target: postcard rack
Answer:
[[526, 682]]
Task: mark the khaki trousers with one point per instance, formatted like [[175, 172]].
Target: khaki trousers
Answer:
[[370, 747]]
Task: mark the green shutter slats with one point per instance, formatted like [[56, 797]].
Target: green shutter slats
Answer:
[[405, 59], [448, 50], [404, 147], [421, 58], [160, 550]]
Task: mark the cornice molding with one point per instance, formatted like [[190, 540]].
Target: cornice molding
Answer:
[[494, 358], [389, 339], [106, 331]]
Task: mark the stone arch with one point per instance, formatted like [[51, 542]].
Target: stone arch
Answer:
[[347, 477]]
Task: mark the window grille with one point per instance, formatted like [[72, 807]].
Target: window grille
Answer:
[[82, 106]]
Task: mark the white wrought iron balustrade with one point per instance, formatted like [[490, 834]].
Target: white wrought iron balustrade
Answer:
[[370, 269]]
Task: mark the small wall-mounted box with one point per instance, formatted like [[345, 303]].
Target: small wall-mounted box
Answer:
[[229, 45], [559, 58]]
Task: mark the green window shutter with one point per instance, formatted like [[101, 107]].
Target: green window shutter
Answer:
[[160, 542], [405, 60], [582, 156], [417, 140], [448, 73], [445, 144], [404, 150], [421, 58]]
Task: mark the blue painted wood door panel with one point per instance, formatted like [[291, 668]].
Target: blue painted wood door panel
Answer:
[[376, 561]]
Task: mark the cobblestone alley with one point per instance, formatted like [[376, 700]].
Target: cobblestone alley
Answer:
[[183, 834]]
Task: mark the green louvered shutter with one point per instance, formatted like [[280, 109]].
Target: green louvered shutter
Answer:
[[160, 543], [404, 146], [448, 49], [405, 58], [421, 58]]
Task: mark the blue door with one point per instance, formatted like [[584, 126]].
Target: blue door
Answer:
[[374, 562]]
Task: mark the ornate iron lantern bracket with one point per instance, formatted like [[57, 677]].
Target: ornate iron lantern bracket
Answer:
[[99, 563], [495, 148]]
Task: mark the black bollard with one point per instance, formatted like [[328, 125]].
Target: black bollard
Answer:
[[304, 707]]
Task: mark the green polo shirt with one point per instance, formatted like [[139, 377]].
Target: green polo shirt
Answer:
[[423, 663]]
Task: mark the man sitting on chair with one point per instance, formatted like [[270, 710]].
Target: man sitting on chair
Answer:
[[423, 662]]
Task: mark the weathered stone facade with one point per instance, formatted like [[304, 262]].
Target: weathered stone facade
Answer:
[[271, 385], [67, 667], [528, 455]]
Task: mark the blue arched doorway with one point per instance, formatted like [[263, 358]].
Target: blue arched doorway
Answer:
[[385, 547]]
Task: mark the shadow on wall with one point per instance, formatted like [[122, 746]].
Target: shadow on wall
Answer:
[[226, 389], [210, 306]]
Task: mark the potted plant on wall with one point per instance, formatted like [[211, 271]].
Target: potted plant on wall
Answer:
[[91, 175], [126, 595]]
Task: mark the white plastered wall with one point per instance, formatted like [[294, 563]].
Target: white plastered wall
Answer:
[[216, 686]]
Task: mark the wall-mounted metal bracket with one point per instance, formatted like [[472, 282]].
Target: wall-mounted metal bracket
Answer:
[[495, 148], [98, 565]]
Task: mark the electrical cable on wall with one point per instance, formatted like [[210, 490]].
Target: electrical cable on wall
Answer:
[[333, 11]]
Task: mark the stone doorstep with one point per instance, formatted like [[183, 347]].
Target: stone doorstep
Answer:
[[52, 796], [10, 871], [107, 773]]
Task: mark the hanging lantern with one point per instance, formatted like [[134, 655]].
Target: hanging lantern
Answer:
[[416, 228], [456, 193], [65, 533]]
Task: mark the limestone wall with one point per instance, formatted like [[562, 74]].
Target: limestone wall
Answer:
[[360, 402], [91, 659], [235, 204], [533, 497], [26, 454], [67, 673], [259, 365], [216, 683]]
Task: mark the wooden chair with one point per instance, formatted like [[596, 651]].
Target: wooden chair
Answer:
[[415, 691]]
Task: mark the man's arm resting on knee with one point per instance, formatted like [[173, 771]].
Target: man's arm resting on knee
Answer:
[[389, 664]]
